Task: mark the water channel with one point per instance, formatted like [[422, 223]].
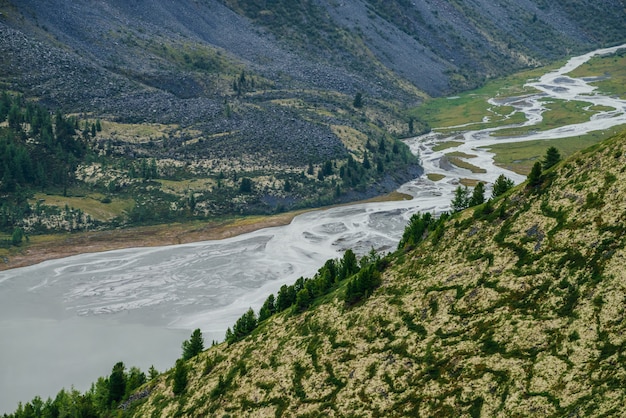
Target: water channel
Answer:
[[65, 322]]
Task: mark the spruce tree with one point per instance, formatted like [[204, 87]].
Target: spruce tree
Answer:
[[501, 185], [180, 377], [534, 178], [478, 195], [194, 345], [461, 199], [552, 158], [117, 383]]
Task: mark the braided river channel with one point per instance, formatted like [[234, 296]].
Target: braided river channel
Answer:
[[65, 322]]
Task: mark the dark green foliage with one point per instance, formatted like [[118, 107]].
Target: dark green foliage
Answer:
[[286, 297], [303, 299], [348, 265], [46, 155], [194, 345], [134, 379], [17, 236], [152, 373], [553, 156], [461, 199], [366, 162], [416, 230], [268, 309], [362, 284], [246, 185], [117, 383], [358, 100], [478, 195], [180, 377], [244, 326], [535, 177], [501, 186]]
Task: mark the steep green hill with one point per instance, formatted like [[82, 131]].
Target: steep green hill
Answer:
[[512, 308]]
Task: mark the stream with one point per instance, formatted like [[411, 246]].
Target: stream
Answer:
[[65, 322]]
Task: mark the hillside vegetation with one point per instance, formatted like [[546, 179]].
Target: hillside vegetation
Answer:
[[510, 308]]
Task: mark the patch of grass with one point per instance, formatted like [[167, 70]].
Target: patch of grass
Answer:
[[460, 154], [464, 164], [353, 139], [520, 157], [445, 145], [558, 113], [468, 182], [135, 132], [471, 107], [611, 68], [92, 204], [435, 176]]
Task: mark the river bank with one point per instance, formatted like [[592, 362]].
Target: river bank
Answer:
[[41, 248]]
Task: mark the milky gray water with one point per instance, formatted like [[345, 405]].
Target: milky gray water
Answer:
[[65, 322]]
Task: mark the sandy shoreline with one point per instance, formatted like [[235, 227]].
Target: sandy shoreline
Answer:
[[53, 247], [50, 247]]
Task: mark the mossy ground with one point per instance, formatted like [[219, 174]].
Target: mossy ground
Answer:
[[513, 309]]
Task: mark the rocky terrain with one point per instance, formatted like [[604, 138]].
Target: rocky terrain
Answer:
[[176, 63], [267, 91]]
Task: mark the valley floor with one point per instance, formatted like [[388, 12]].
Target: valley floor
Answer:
[[50, 247]]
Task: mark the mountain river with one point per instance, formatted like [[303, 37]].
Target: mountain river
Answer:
[[65, 322]]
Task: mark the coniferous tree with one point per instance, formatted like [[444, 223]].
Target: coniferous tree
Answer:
[[366, 162], [348, 266], [117, 383], [303, 299], [267, 309], [461, 199], [478, 195], [246, 185], [501, 185], [135, 379], [180, 377], [194, 345], [152, 373], [534, 178], [552, 157]]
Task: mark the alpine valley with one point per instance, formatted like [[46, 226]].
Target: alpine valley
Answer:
[[134, 120]]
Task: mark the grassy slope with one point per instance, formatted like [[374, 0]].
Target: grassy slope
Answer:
[[517, 312]]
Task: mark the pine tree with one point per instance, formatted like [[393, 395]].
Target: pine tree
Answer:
[[267, 309], [152, 373], [180, 377], [117, 383], [303, 299], [552, 158], [194, 345], [534, 178], [366, 162], [461, 199], [501, 185], [478, 195]]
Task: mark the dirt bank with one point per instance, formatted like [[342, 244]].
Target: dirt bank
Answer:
[[49, 247]]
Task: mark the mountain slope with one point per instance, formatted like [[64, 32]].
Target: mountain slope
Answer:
[[509, 309], [218, 91]]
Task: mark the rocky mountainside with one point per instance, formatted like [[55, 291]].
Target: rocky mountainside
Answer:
[[186, 62], [241, 107], [511, 308]]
